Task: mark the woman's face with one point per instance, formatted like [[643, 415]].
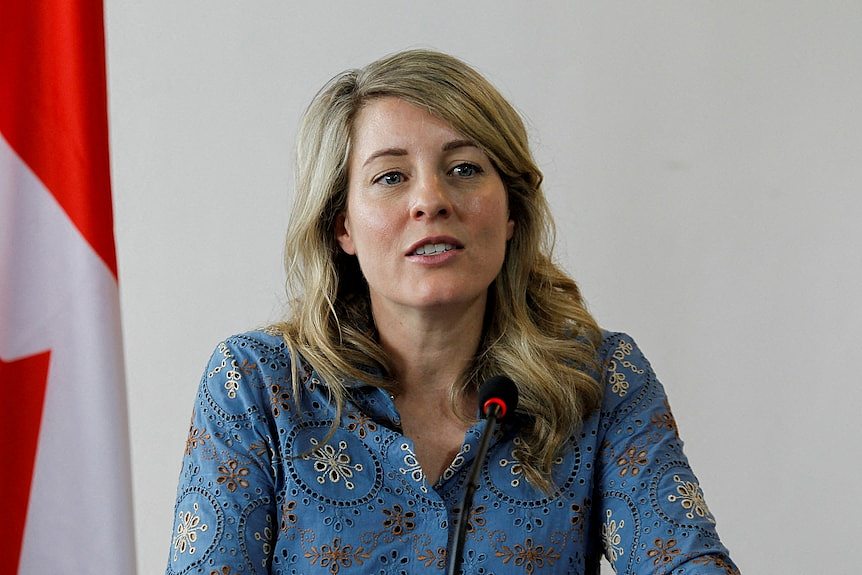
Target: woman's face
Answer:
[[427, 213]]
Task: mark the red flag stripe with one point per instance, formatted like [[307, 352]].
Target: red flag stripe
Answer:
[[53, 107], [24, 382]]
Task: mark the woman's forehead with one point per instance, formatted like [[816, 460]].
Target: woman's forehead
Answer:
[[394, 126]]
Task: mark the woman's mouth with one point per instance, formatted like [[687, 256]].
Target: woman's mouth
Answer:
[[431, 249]]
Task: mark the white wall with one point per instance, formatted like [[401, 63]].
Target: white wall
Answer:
[[704, 160]]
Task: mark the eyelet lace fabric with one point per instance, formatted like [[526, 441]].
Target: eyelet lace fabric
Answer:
[[261, 492]]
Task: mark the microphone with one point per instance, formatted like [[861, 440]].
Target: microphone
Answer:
[[499, 391], [497, 397]]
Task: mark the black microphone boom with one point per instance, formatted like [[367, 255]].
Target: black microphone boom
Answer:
[[497, 397]]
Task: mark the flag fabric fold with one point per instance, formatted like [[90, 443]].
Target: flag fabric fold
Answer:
[[66, 499]]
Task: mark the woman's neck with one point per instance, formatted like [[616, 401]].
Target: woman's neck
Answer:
[[430, 349]]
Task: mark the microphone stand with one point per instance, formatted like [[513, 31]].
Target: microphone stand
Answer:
[[457, 551]]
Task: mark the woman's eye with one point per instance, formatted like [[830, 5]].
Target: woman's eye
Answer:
[[390, 178], [466, 170]]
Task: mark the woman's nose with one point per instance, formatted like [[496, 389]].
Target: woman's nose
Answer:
[[431, 199]]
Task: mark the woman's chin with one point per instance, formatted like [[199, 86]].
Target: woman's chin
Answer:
[[443, 300]]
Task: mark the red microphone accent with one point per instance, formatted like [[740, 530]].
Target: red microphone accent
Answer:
[[486, 407]]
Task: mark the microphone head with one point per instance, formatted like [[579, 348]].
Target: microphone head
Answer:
[[500, 391]]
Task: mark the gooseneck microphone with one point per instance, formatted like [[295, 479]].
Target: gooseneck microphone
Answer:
[[497, 397]]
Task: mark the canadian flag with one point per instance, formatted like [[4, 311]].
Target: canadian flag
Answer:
[[65, 489]]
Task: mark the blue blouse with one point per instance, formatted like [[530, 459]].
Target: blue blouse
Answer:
[[261, 492]]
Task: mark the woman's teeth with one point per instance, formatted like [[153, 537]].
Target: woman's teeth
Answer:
[[431, 249]]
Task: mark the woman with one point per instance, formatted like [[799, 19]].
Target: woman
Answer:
[[418, 257]]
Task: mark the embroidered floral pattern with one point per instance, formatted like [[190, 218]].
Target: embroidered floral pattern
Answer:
[[361, 424], [232, 375], [617, 379], [475, 519], [196, 438], [456, 464], [618, 382], [691, 498], [665, 420], [273, 330], [579, 516], [413, 469], [279, 399], [663, 552], [606, 452], [612, 538], [529, 556], [265, 538], [717, 561], [232, 475], [514, 464], [223, 571], [334, 556], [399, 522], [632, 460], [288, 515], [624, 349], [331, 464], [430, 557], [246, 367], [188, 526], [259, 448]]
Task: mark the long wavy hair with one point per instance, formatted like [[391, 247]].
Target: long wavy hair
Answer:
[[537, 330]]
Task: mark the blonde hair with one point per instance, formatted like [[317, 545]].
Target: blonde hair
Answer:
[[537, 330]]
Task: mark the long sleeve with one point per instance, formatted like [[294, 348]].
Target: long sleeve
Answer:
[[225, 511], [653, 516]]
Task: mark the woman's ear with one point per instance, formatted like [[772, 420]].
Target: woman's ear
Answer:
[[342, 233], [510, 229]]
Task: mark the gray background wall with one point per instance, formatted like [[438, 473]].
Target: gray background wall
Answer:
[[704, 160]]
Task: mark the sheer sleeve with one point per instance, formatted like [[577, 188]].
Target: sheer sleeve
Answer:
[[653, 516], [225, 509]]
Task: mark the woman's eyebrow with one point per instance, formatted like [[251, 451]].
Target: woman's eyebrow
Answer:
[[385, 152], [448, 146], [454, 144]]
